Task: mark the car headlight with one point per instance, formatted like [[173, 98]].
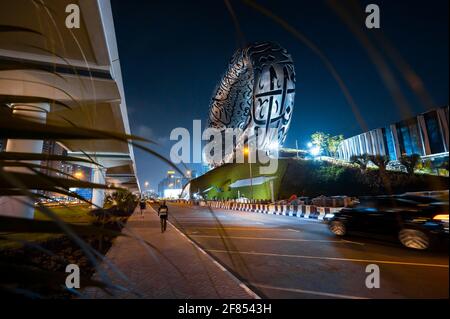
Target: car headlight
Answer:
[[329, 215], [441, 217]]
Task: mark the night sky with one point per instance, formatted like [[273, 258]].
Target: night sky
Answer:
[[173, 53]]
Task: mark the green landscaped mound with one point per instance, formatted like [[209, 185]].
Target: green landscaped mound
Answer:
[[220, 179], [315, 178], [312, 178]]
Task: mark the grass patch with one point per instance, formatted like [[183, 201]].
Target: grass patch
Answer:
[[73, 215]]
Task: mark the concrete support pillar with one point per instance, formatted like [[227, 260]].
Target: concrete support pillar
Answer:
[[22, 206], [98, 195]]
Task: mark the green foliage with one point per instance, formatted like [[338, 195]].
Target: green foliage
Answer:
[[333, 143], [122, 200], [330, 173], [410, 162], [20, 225], [444, 165], [361, 160], [320, 139], [326, 142], [380, 161], [314, 178]]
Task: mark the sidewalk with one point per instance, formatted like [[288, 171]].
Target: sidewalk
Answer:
[[175, 269]]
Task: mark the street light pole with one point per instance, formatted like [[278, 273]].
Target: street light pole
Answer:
[[247, 151], [146, 184], [251, 177]]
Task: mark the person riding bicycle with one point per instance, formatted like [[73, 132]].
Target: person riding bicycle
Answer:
[[163, 213]]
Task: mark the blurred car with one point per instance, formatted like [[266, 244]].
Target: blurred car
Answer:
[[417, 222]]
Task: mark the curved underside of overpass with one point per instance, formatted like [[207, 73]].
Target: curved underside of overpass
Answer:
[[76, 72]]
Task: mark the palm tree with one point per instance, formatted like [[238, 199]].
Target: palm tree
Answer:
[[443, 166], [361, 160], [381, 161], [410, 162]]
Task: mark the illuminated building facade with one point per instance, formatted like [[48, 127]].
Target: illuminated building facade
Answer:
[[426, 134]]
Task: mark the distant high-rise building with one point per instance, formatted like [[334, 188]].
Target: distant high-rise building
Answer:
[[194, 174], [172, 185], [64, 169], [51, 167]]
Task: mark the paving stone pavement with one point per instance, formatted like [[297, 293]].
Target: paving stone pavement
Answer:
[[173, 269]]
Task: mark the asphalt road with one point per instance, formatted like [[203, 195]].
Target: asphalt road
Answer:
[[289, 257]]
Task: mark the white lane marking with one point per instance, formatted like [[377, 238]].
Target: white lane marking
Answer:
[[218, 223], [296, 230], [212, 221], [310, 292], [353, 242], [200, 219], [250, 292], [371, 261], [244, 228], [280, 239], [240, 283]]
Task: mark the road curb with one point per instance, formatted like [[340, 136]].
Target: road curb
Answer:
[[241, 284]]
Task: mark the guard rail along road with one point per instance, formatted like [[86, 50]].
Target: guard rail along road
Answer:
[[300, 211]]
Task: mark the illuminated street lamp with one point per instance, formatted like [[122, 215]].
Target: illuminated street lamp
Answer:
[[314, 150], [146, 183], [247, 152], [78, 174]]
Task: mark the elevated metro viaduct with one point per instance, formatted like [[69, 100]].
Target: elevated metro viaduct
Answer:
[[77, 67]]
